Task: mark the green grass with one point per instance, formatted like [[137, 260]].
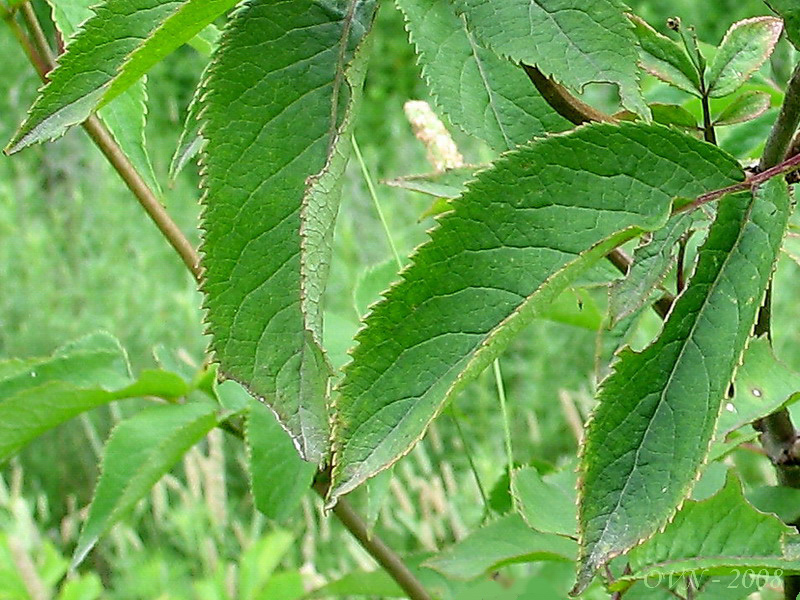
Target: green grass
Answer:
[[77, 254]]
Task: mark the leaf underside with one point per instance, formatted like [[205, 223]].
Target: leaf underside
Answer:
[[485, 95], [521, 232], [276, 115], [657, 410], [565, 39]]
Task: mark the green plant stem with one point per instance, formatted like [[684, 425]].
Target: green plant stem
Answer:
[[39, 38], [103, 139], [382, 553], [501, 393], [25, 43], [780, 137], [374, 195], [778, 434], [376, 547], [709, 134], [468, 451]]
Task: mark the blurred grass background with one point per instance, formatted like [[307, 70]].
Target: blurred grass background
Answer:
[[77, 254]]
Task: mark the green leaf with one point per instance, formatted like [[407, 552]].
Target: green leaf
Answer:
[[718, 536], [575, 306], [666, 114], [124, 118], [574, 45], [745, 47], [612, 337], [778, 499], [481, 93], [663, 58], [279, 478], [513, 242], [38, 395], [547, 503], [277, 115], [447, 184], [206, 41], [376, 583], [746, 107], [652, 260], [259, 561], [377, 492], [506, 541], [108, 54], [139, 451], [657, 411], [371, 283], [191, 143], [789, 10], [287, 585], [82, 587], [762, 386]]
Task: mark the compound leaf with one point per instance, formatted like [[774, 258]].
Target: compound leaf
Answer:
[[277, 113], [652, 260], [512, 243], [658, 409], [279, 478], [126, 117], [745, 107], [547, 503], [483, 94], [762, 385], [565, 39]]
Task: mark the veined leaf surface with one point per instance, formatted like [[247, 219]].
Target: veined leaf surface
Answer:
[[657, 410], [138, 452], [108, 54], [483, 94], [277, 115], [724, 534], [505, 541], [565, 39], [663, 58], [125, 118], [746, 46], [37, 395], [651, 263], [523, 230]]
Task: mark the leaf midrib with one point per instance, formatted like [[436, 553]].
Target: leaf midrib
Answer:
[[679, 358]]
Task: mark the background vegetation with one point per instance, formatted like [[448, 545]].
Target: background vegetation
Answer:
[[77, 255]]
